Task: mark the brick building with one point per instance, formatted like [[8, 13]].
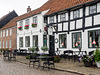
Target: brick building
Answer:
[[8, 31]]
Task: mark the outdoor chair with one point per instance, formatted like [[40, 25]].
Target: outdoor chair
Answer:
[[70, 54], [48, 62], [65, 54], [12, 56], [5, 55], [33, 59]]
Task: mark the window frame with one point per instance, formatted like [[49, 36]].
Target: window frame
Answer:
[[78, 13], [35, 40], [66, 41], [50, 19], [63, 17], [6, 44], [93, 37], [35, 19], [91, 6], [76, 38], [19, 42], [28, 42], [27, 22], [43, 40]]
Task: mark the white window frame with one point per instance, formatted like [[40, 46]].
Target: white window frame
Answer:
[[6, 32], [9, 43], [27, 22], [35, 20], [3, 44], [3, 33], [0, 44], [6, 44], [76, 13], [10, 32]]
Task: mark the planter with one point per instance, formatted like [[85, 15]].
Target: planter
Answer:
[[20, 28], [34, 25], [98, 64], [88, 64], [26, 27]]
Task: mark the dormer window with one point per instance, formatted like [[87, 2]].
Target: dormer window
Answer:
[[27, 22], [93, 9], [76, 14], [51, 19], [62, 17]]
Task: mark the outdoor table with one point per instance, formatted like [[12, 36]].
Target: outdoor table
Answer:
[[42, 57], [80, 52]]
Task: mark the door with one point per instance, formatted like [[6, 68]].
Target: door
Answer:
[[51, 45]]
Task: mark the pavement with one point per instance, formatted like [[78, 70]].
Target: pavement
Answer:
[[64, 66]]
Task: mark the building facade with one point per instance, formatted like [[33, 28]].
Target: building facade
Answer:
[[75, 25]]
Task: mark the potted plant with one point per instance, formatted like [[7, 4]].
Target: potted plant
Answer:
[[97, 57], [33, 49], [34, 24], [44, 48], [26, 27], [56, 59], [88, 60]]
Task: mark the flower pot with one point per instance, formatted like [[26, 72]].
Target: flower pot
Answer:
[[98, 64], [87, 63]]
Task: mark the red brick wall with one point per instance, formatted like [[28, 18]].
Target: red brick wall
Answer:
[[13, 38]]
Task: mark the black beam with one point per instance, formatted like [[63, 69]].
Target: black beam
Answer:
[[68, 21], [83, 25]]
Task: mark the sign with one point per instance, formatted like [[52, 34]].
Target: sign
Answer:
[[94, 42]]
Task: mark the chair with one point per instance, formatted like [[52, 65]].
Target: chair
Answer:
[[70, 54], [5, 55], [65, 54], [33, 59], [12, 56], [48, 62]]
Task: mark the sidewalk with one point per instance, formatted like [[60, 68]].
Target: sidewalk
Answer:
[[69, 66]]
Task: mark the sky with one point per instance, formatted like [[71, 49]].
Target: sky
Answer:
[[20, 6]]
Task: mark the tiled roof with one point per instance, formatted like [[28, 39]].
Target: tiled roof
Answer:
[[58, 5], [53, 5]]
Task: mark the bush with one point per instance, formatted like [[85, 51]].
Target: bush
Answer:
[[97, 56], [28, 57]]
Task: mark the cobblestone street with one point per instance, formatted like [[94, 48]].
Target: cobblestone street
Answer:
[[16, 68]]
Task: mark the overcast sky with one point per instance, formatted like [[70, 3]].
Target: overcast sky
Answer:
[[20, 6]]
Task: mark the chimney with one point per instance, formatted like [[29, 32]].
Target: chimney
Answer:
[[28, 9]]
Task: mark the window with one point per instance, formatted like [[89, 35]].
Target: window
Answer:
[[21, 23], [62, 41], [0, 44], [94, 36], [6, 32], [35, 40], [3, 44], [21, 42], [27, 22], [10, 32], [3, 33], [6, 44], [9, 43], [27, 41], [76, 40], [76, 14], [35, 20], [62, 17], [44, 40], [51, 19], [93, 9]]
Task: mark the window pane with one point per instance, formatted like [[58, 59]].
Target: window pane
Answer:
[[62, 17], [51, 19], [62, 40], [27, 41], [76, 14], [93, 9], [35, 41], [44, 40], [27, 21], [35, 20], [21, 42], [76, 37]]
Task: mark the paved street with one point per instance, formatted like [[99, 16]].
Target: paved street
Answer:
[[16, 68]]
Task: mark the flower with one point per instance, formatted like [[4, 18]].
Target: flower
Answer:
[[26, 25], [86, 58], [20, 27], [34, 24]]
